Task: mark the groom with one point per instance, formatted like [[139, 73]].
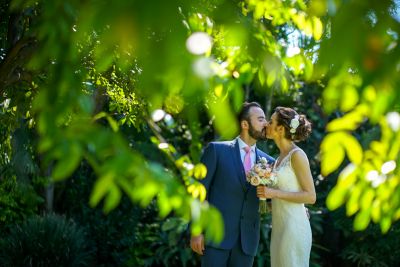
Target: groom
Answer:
[[228, 191]]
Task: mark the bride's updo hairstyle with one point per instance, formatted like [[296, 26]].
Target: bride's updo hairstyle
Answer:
[[297, 127]]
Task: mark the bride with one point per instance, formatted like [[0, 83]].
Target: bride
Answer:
[[291, 232]]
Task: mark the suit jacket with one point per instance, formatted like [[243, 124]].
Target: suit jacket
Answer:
[[235, 198]]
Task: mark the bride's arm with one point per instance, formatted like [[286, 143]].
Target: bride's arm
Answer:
[[302, 170]]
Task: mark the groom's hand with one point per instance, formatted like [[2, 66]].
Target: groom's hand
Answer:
[[197, 244]]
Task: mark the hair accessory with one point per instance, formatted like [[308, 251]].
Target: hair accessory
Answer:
[[294, 123]]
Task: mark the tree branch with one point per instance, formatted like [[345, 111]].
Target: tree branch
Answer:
[[12, 67]]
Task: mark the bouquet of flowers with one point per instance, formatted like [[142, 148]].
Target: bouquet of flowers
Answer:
[[262, 174]]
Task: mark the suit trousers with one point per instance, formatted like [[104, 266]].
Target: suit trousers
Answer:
[[215, 257]]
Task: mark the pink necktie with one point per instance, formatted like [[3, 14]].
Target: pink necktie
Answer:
[[247, 159]]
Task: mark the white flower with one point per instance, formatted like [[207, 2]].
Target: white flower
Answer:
[[263, 160], [294, 123]]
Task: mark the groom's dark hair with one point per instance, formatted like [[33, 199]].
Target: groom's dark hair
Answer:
[[244, 112]]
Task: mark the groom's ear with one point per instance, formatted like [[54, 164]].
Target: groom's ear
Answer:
[[244, 124]]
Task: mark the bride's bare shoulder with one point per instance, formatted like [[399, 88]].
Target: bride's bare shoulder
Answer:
[[299, 156]]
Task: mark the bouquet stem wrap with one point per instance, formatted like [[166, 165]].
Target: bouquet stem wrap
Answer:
[[263, 208]]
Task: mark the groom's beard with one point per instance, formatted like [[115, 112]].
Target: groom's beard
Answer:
[[258, 135]]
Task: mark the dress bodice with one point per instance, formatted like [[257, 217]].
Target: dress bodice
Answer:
[[287, 180]]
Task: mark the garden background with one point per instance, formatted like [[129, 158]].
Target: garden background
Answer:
[[105, 107]]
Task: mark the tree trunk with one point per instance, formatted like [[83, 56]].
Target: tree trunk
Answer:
[[49, 197], [49, 194]]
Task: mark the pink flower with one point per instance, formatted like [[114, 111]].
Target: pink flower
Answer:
[[257, 169]]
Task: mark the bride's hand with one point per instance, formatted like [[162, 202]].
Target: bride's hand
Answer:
[[265, 192]]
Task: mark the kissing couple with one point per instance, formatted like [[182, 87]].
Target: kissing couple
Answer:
[[238, 201]]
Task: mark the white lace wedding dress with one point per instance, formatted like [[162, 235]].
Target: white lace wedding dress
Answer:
[[291, 232]]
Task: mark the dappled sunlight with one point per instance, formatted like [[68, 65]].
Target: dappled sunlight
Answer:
[[106, 109], [199, 43]]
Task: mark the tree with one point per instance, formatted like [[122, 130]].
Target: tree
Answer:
[[136, 55], [362, 91]]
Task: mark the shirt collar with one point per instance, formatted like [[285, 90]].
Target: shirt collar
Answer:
[[242, 144]]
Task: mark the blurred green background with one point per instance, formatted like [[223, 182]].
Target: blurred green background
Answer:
[[105, 108]]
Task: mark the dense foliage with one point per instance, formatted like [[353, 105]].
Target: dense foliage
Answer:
[[50, 240], [109, 105]]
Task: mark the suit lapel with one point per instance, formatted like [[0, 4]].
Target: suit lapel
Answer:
[[237, 162], [257, 156]]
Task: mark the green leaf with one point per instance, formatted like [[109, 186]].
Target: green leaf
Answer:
[[164, 205], [295, 63], [214, 225], [200, 171], [367, 198], [100, 115], [219, 90], [362, 220], [350, 121], [353, 205], [100, 188], [113, 124], [196, 229], [284, 84], [349, 98], [225, 121], [169, 224], [45, 144], [379, 106], [112, 199], [348, 176], [182, 160], [317, 7], [376, 210], [237, 98], [318, 28], [332, 150], [353, 149], [68, 163], [336, 197], [332, 153], [330, 97], [385, 224], [261, 76], [379, 148], [271, 77], [369, 94], [197, 190], [308, 68]]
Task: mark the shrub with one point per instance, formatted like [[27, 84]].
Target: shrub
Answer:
[[18, 200], [50, 240]]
